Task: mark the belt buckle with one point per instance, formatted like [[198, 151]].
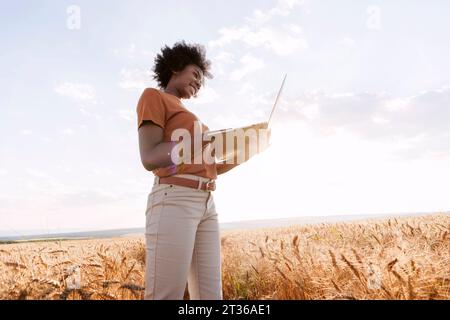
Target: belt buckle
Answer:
[[211, 185]]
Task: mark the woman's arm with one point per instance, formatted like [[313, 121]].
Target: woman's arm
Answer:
[[154, 153], [225, 167]]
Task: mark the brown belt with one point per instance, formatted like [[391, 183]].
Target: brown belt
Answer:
[[184, 182]]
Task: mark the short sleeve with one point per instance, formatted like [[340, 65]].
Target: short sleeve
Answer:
[[151, 107]]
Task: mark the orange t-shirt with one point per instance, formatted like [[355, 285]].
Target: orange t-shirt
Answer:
[[167, 111]]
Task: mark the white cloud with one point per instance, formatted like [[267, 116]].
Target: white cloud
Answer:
[[36, 173], [132, 52], [247, 88], [249, 64], [136, 79], [420, 121], [78, 91], [102, 171], [25, 132], [126, 114], [206, 95], [278, 41], [229, 120], [397, 104], [89, 114], [261, 100], [379, 120], [294, 28], [68, 132], [282, 40], [86, 197], [310, 111], [282, 8], [221, 62], [347, 42], [64, 168], [148, 53], [229, 35], [42, 183], [259, 17]]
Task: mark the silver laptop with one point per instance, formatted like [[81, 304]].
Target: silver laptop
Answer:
[[222, 131], [210, 134]]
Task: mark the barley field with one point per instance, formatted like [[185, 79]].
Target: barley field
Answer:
[[397, 258]]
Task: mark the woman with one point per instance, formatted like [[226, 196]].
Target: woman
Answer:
[[182, 231]]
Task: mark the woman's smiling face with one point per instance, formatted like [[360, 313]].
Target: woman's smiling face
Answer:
[[186, 83]]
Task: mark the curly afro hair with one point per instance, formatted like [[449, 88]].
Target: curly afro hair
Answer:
[[177, 58]]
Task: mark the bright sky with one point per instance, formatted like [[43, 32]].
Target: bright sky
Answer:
[[362, 126]]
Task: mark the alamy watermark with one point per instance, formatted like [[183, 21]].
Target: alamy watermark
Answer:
[[73, 21], [73, 280], [373, 21]]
